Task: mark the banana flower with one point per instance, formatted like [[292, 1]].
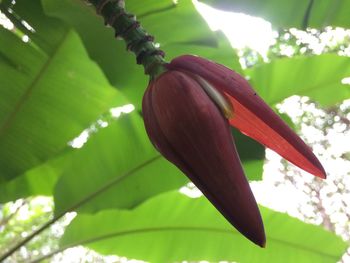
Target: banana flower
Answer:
[[188, 111]]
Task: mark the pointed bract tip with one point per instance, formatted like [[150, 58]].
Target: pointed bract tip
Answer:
[[315, 168], [259, 238], [322, 174]]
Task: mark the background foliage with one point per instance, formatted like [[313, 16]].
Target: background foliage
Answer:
[[63, 75]]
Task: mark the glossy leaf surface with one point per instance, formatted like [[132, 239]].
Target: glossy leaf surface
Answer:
[[318, 77], [172, 227], [42, 92]]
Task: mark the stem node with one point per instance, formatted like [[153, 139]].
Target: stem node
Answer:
[[137, 39]]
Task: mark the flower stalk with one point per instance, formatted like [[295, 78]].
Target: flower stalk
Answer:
[[137, 40]]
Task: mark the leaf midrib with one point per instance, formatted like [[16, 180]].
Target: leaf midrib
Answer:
[[29, 90], [189, 228]]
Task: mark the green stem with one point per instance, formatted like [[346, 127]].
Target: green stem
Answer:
[[137, 39]]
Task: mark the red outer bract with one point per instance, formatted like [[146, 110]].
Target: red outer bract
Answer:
[[187, 127], [190, 130], [252, 116]]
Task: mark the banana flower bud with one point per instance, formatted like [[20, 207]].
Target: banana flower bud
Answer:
[[188, 111]]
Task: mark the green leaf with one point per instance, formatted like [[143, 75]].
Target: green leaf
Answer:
[[253, 169], [222, 53], [172, 227], [102, 169], [252, 153], [105, 163], [175, 38], [37, 181], [295, 13], [118, 65], [318, 77], [176, 29], [46, 100]]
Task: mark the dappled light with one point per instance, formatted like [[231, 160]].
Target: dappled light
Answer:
[[89, 161], [101, 123]]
